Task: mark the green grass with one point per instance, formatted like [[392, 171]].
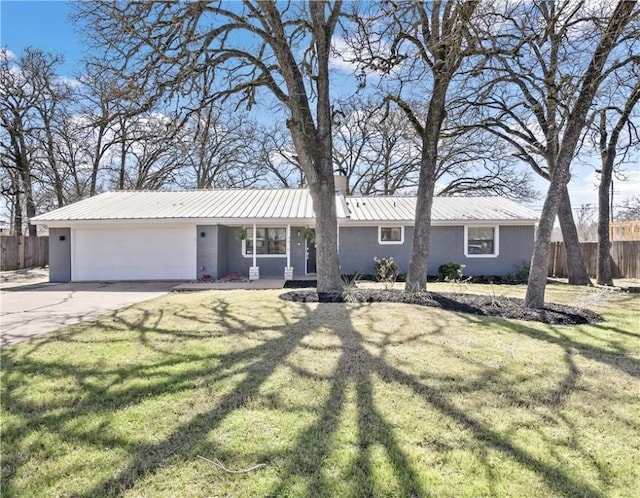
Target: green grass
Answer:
[[335, 399]]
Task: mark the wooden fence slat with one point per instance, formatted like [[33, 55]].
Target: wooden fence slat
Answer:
[[625, 259], [23, 252]]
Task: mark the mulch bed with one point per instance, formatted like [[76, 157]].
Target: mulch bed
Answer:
[[504, 307]]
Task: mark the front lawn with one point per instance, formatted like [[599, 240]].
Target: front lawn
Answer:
[[379, 399]]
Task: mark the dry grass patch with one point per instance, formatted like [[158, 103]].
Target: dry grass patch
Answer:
[[336, 400]]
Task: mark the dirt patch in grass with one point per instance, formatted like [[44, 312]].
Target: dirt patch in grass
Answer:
[[504, 307]]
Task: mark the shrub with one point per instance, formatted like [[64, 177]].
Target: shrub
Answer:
[[308, 234], [521, 274], [450, 271], [386, 269], [350, 288]]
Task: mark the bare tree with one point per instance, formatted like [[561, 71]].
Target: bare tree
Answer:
[[218, 144], [32, 96], [99, 117], [586, 223], [629, 209], [150, 158], [609, 123], [162, 48], [380, 152], [55, 97], [69, 149], [424, 44], [595, 73], [16, 106], [530, 91], [473, 162], [536, 91], [276, 153], [375, 147]]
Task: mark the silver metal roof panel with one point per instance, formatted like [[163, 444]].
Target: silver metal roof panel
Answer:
[[277, 204], [445, 209]]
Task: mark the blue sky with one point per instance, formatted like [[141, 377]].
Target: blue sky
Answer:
[[41, 24]]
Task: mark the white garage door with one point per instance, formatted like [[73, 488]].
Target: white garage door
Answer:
[[163, 252]]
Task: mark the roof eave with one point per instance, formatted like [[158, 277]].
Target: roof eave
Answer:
[[58, 223]]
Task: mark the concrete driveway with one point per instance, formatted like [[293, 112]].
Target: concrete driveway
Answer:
[[28, 311]]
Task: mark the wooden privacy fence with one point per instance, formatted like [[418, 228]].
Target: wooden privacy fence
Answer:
[[23, 252], [625, 259]]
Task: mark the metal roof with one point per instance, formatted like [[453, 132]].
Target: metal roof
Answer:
[[445, 209], [195, 204], [276, 204]]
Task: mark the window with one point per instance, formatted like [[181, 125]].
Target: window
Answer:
[[269, 241], [481, 242], [390, 235]]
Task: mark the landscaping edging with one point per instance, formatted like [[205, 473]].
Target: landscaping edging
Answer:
[[499, 306]]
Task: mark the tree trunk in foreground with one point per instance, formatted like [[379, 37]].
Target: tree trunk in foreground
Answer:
[[608, 152], [539, 269], [604, 275], [418, 266], [324, 201], [576, 269]]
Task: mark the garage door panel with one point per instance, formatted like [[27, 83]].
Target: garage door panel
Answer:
[[134, 253]]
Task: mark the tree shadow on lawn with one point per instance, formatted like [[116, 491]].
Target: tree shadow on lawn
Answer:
[[611, 354], [300, 468]]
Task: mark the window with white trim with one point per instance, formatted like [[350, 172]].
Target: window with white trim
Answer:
[[481, 241], [269, 242], [390, 235]]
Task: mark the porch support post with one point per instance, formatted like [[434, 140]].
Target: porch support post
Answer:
[[288, 271], [338, 244], [254, 271], [255, 243]]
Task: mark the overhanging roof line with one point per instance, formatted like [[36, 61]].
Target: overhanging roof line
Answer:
[[290, 205]]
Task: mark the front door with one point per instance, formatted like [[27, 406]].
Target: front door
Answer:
[[311, 256]]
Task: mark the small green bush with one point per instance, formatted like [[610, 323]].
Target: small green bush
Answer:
[[450, 271], [386, 269], [521, 274]]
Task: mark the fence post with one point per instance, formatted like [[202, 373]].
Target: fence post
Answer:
[[21, 244]]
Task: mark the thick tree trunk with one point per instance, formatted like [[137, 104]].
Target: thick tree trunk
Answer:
[[418, 267], [31, 213], [25, 178], [58, 183], [604, 275], [17, 212], [95, 166], [324, 204], [123, 163], [313, 141], [540, 259], [576, 267]]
